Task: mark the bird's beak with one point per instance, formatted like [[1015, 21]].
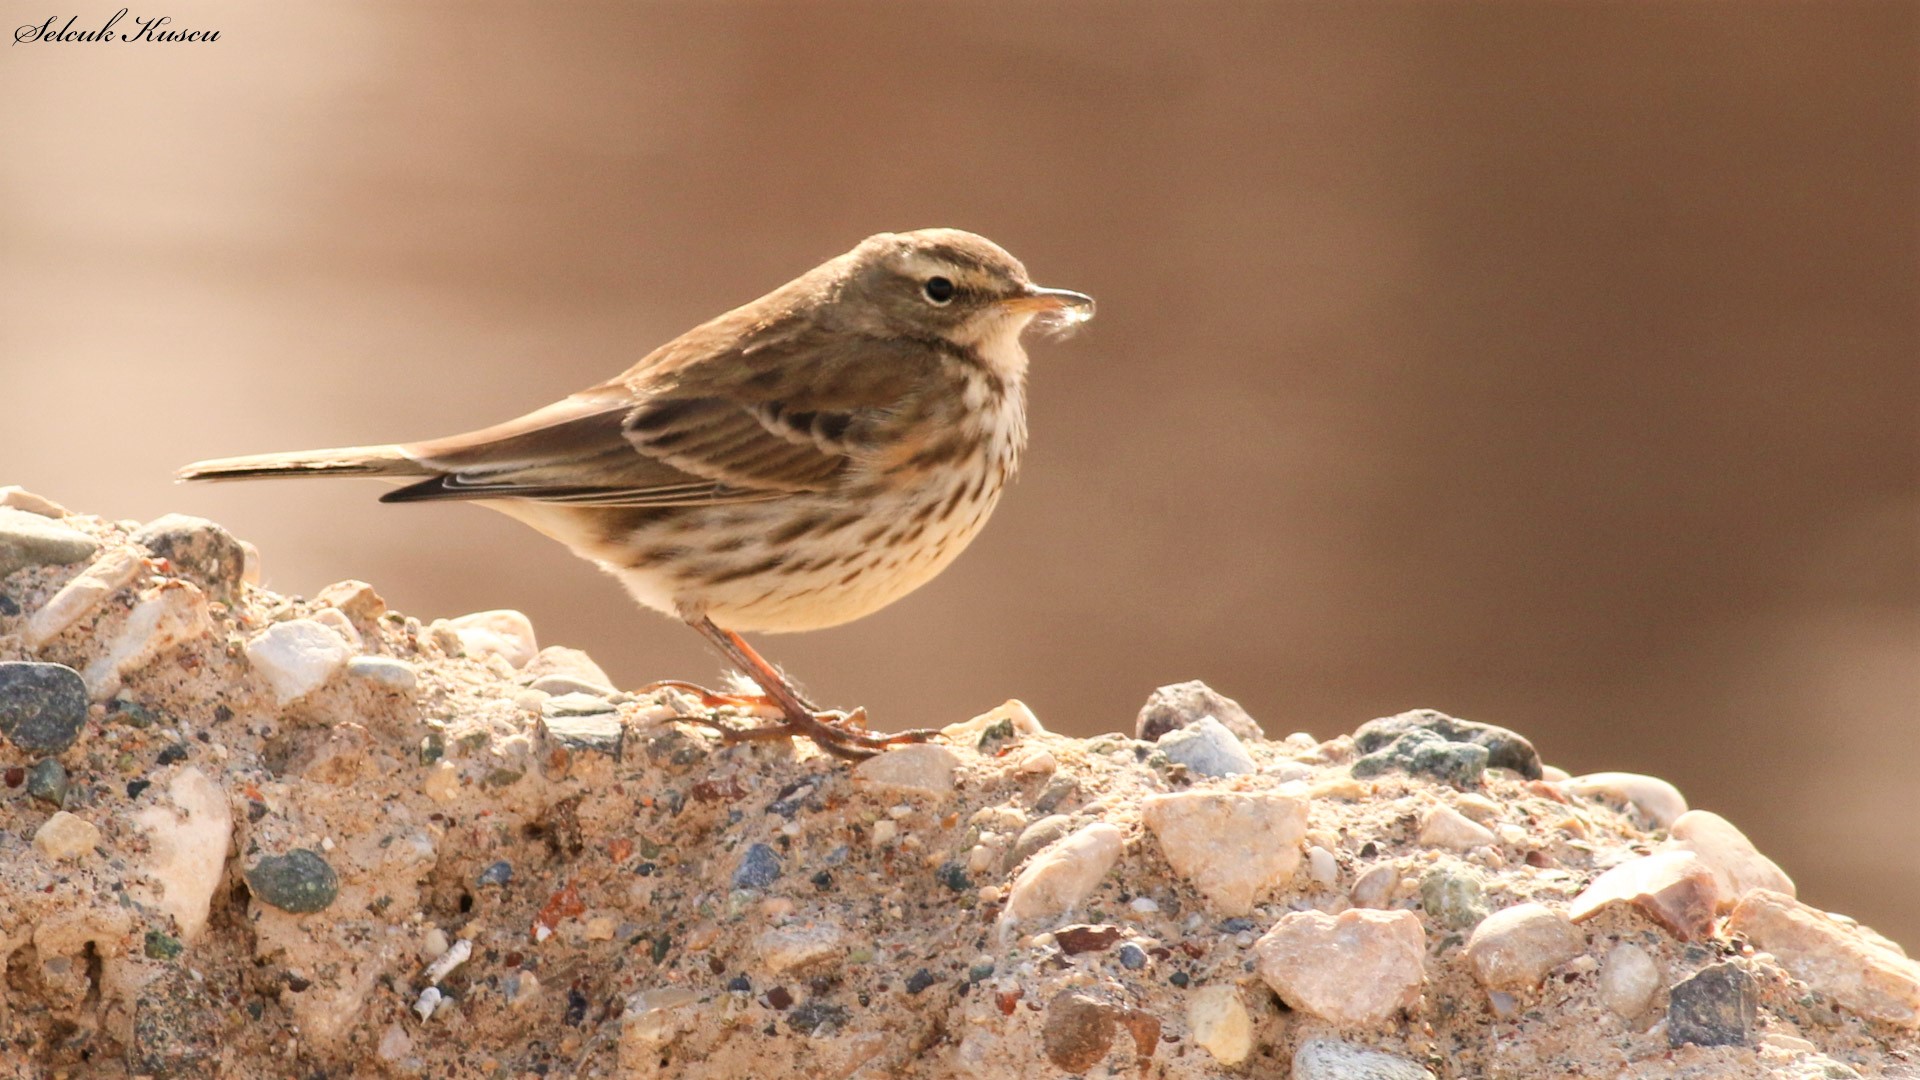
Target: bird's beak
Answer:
[[1072, 306]]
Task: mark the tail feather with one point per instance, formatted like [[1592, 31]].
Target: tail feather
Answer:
[[339, 461]]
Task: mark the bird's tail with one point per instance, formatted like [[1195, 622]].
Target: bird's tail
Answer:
[[340, 461]]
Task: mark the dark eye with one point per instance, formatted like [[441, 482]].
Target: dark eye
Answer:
[[939, 290]]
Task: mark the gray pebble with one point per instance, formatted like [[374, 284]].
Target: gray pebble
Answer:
[[31, 540], [1713, 1008], [176, 1029], [42, 706], [200, 551], [1453, 895], [1131, 956], [496, 874], [299, 881], [759, 868], [1035, 836], [1207, 748], [597, 732], [1176, 706], [47, 782], [1505, 749], [1424, 753]]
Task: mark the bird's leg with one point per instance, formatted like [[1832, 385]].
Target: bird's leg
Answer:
[[832, 731]]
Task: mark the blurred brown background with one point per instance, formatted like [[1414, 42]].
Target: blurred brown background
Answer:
[[1553, 365]]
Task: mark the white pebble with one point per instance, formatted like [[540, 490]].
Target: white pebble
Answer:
[[1322, 866], [449, 960]]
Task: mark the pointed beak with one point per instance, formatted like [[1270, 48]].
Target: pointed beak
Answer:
[[1073, 306]]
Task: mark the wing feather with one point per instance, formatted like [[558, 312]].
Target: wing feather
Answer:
[[793, 410]]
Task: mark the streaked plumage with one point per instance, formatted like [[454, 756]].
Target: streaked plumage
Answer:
[[795, 463]]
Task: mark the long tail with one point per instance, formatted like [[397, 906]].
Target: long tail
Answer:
[[340, 461]]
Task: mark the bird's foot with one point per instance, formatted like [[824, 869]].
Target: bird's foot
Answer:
[[842, 734]]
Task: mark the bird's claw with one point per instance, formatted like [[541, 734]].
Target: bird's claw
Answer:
[[842, 734]]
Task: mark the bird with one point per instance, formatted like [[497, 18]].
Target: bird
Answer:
[[796, 463]]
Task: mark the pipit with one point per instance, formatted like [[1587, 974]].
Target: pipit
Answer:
[[794, 464]]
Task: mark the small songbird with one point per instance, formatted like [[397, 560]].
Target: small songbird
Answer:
[[794, 464]]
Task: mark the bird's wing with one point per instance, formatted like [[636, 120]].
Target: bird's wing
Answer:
[[739, 425]]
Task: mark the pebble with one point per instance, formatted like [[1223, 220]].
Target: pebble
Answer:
[[47, 782], [1063, 875], [1713, 1008], [354, 599], [1233, 846], [567, 727], [1355, 969], [1445, 827], [1505, 749], [1322, 867], [1738, 868], [563, 661], [1331, 1059], [652, 1019], [804, 948], [250, 570], [427, 1003], [758, 868], [1653, 800], [175, 1028], [1207, 748], [1037, 762], [1131, 956], [15, 497], [1870, 979], [1452, 894], [298, 657], [198, 551], [301, 881], [66, 836], [333, 620], [383, 671], [916, 769], [1374, 889], [505, 633], [458, 953], [42, 706], [442, 782], [1181, 704], [1078, 1030], [81, 596], [172, 613], [566, 685], [1035, 836], [1673, 888], [1515, 947], [187, 836], [1220, 1023], [1011, 716], [27, 540], [496, 873], [1628, 980], [1424, 753]]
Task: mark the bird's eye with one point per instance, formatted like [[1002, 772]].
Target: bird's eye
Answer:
[[939, 290]]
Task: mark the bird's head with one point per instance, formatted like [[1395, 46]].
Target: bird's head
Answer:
[[950, 285]]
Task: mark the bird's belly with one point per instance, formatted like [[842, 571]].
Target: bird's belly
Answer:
[[799, 563]]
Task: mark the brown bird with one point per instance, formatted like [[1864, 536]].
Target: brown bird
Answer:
[[796, 463]]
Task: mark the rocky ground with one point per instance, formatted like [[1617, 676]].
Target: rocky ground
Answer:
[[245, 834]]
